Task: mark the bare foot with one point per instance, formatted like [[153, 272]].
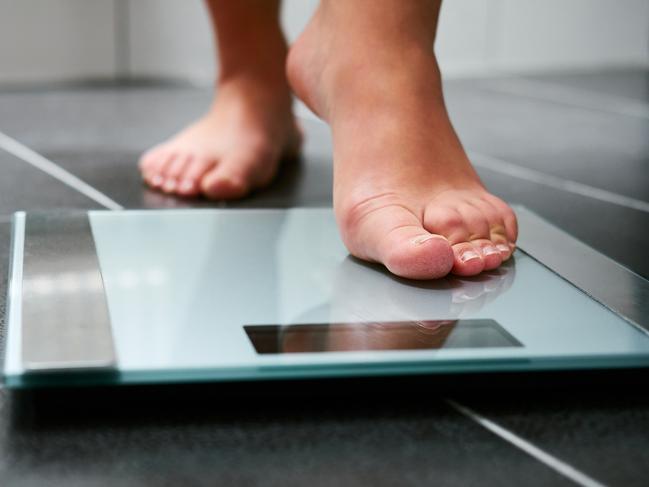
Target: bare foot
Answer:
[[235, 148], [405, 193]]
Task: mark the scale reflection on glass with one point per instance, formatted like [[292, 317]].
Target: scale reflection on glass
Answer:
[[213, 295]]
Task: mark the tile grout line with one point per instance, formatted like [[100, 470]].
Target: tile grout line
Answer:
[[532, 175], [26, 154], [567, 185], [542, 456], [569, 96]]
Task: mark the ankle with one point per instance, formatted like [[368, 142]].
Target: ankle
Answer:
[[255, 73], [386, 22], [330, 81], [252, 79], [256, 54], [266, 78], [360, 73], [330, 62]]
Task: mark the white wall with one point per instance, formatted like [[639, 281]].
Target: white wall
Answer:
[[56, 40], [170, 38], [571, 33], [464, 33], [42, 40]]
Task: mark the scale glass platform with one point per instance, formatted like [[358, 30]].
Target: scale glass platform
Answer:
[[173, 296]]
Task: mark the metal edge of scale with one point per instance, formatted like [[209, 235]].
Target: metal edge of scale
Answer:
[[60, 271], [65, 322], [614, 286]]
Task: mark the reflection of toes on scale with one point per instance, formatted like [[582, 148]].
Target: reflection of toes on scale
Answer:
[[196, 295]]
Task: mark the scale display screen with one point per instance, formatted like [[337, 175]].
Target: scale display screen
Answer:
[[375, 336]]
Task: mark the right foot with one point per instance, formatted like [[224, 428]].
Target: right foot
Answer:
[[405, 193], [232, 150]]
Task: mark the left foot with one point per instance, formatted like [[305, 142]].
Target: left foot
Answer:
[[237, 146], [233, 149], [405, 193]]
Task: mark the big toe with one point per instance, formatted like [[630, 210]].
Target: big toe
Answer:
[[422, 256], [230, 179], [395, 237], [238, 173]]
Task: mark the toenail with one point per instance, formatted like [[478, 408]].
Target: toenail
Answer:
[[424, 238], [489, 250], [157, 180], [186, 185], [503, 248], [170, 185], [469, 255]]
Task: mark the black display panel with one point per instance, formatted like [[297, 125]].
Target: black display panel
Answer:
[[379, 336]]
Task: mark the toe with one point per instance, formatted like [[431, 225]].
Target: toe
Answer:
[[468, 260], [154, 175], [508, 219], [502, 223], [447, 221], [174, 171], [475, 219], [502, 244], [190, 181], [473, 225], [395, 237], [223, 184], [459, 224], [491, 255], [150, 165], [150, 159], [413, 253], [237, 174]]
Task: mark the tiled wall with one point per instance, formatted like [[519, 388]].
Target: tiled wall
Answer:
[[42, 40]]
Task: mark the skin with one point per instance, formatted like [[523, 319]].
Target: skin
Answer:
[[405, 192], [236, 146]]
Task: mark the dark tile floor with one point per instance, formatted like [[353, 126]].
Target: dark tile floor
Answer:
[[631, 84], [205, 435]]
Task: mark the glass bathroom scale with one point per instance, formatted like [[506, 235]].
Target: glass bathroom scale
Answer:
[[173, 296]]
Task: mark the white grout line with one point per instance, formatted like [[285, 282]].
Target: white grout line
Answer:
[[551, 461], [555, 182], [26, 154], [566, 95]]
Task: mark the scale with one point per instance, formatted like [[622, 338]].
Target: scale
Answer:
[[173, 296]]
